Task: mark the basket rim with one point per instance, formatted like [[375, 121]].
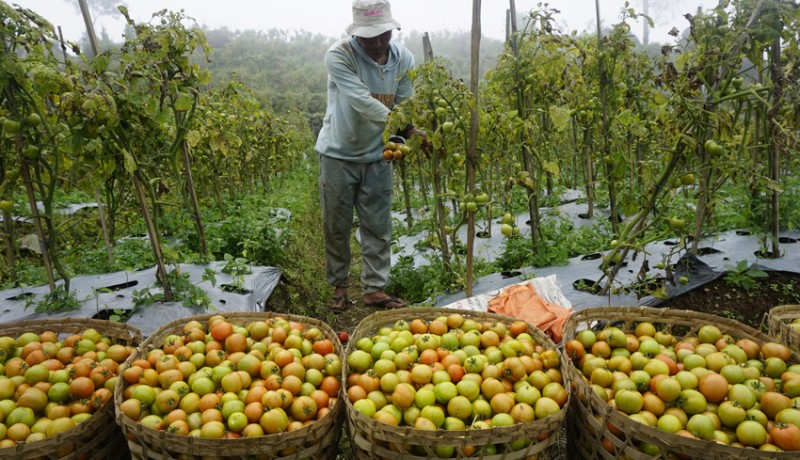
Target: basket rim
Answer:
[[195, 444], [101, 417], [453, 436]]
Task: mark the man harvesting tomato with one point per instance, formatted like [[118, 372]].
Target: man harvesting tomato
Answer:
[[367, 76]]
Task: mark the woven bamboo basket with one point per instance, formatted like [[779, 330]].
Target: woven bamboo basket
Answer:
[[370, 439], [778, 320], [597, 431], [98, 437], [318, 440]]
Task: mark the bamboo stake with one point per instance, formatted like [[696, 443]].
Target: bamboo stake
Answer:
[[161, 270], [472, 159], [101, 213], [87, 20], [11, 258]]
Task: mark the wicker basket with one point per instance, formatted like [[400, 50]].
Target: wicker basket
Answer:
[[98, 437], [318, 440], [370, 439], [778, 320], [597, 431]]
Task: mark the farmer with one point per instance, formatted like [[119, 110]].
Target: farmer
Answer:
[[367, 76]]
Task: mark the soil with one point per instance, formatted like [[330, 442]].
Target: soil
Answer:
[[723, 298]]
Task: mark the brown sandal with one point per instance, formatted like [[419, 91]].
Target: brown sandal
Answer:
[[339, 303]]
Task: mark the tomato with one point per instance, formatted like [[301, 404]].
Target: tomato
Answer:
[[11, 126], [774, 349], [751, 433], [773, 402], [6, 205], [545, 407], [403, 395], [709, 333], [81, 387], [359, 361], [274, 421], [786, 436], [713, 148], [669, 423], [629, 401], [213, 429], [714, 387], [221, 330], [701, 426], [692, 402], [503, 402]]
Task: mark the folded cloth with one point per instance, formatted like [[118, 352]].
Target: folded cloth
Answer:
[[521, 301]]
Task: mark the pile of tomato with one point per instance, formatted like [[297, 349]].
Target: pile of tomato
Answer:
[[225, 380], [48, 385], [455, 372], [708, 386]]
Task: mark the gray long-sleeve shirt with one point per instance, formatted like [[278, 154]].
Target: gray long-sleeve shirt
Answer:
[[360, 94]]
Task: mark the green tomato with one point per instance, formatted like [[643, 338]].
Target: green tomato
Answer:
[[447, 126], [440, 112], [687, 179], [33, 120], [471, 206], [31, 152], [712, 148], [11, 126], [676, 224], [441, 103], [683, 280], [507, 230], [6, 205]]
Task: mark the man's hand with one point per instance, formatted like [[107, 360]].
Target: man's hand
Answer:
[[417, 132]]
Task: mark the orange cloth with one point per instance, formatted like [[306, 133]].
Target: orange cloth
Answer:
[[521, 301]]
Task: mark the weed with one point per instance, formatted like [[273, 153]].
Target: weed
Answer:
[[236, 267], [56, 301], [743, 276], [183, 290]]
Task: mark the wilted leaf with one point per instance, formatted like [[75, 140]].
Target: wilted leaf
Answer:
[[193, 138], [560, 117]]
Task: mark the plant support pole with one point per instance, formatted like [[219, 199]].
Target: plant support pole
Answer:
[[101, 213], [87, 20], [37, 222], [472, 159], [161, 270]]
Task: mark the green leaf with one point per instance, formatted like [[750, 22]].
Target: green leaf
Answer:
[[183, 103], [625, 118], [210, 276], [128, 161]]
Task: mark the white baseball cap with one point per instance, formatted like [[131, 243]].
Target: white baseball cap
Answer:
[[371, 18]]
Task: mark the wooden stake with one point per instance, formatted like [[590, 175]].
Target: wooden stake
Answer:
[[87, 20], [104, 226], [472, 159]]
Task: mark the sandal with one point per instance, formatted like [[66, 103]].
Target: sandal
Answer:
[[339, 303], [385, 304]]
